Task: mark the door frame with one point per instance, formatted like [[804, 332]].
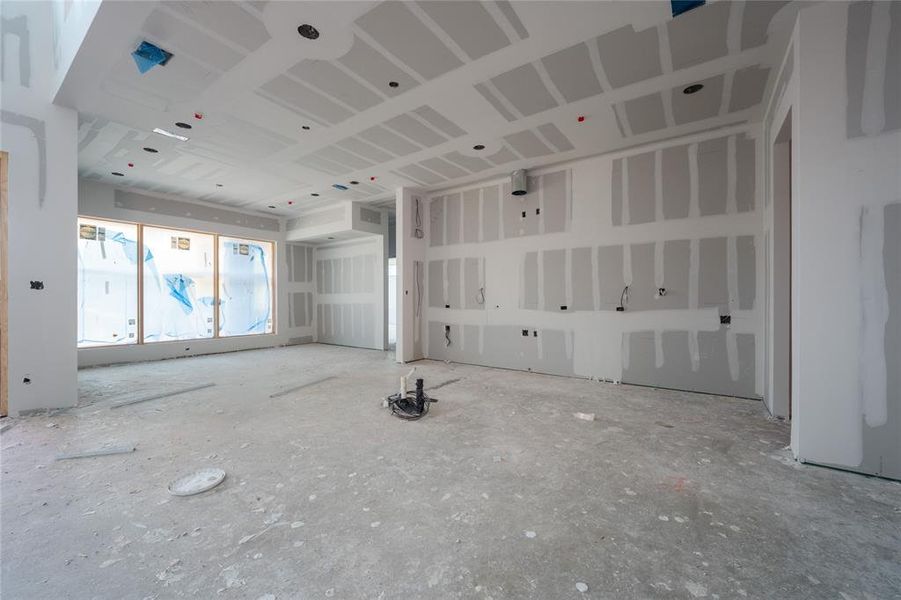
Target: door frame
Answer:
[[4, 285]]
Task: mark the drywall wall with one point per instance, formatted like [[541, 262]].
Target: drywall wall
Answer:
[[846, 279], [96, 199], [41, 140], [350, 292], [533, 282], [410, 234]]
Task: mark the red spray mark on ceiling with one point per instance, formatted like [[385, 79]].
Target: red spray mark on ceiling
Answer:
[[581, 119], [198, 115], [131, 164]]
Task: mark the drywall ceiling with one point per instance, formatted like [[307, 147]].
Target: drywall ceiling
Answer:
[[285, 117]]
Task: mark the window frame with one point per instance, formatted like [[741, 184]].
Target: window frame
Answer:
[[140, 286]]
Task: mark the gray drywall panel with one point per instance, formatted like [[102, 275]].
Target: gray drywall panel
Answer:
[[470, 347], [616, 193], [371, 271], [640, 367], [745, 173], [642, 49], [436, 221], [642, 203], [530, 205], [327, 321], [645, 114], [320, 323], [530, 281], [748, 85], [676, 182], [554, 262], [310, 264], [358, 316], [676, 371], [472, 283], [747, 271], [556, 137], [755, 21], [524, 89], [453, 283], [882, 443], [320, 276], [326, 276], [437, 348], [490, 213], [436, 283], [555, 200], [572, 73], [358, 268], [712, 176], [714, 373], [713, 290], [676, 263], [452, 211], [347, 274], [610, 276], [556, 354], [512, 207], [858, 70], [701, 105], [310, 307], [642, 289], [505, 347], [582, 279], [471, 216], [299, 306], [687, 47], [298, 263]]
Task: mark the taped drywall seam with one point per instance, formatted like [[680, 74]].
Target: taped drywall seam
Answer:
[[726, 98], [40, 137], [568, 186], [874, 312], [693, 278], [627, 265], [540, 206], [732, 286], [658, 185], [659, 275], [694, 209], [568, 277], [733, 27], [481, 233], [872, 118], [624, 187], [17, 26], [732, 354], [625, 350], [731, 175], [594, 54], [542, 298], [595, 280]]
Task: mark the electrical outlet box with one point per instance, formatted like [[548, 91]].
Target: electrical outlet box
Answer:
[[620, 309], [725, 319]]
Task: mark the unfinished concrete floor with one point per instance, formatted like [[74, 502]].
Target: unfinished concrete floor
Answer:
[[498, 493]]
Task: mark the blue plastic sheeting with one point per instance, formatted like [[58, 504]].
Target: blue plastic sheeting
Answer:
[[682, 6], [244, 289], [107, 289], [148, 56], [172, 308]]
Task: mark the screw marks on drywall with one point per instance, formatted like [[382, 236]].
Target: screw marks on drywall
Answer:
[[38, 130], [26, 380], [37, 285], [17, 26]]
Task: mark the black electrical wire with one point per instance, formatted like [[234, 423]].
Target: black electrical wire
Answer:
[[414, 405]]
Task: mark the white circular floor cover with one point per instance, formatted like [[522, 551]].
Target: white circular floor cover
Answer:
[[197, 482]]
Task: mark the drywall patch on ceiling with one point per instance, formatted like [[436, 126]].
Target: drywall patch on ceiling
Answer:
[[642, 49], [471, 27], [523, 88], [572, 72], [396, 29], [330, 80], [370, 65], [687, 47]]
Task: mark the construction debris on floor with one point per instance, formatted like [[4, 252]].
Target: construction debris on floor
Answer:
[[506, 495]]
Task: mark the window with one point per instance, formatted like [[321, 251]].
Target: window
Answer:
[[178, 285], [245, 287], [179, 282], [107, 283]]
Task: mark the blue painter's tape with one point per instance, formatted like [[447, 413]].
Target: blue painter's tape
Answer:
[[148, 56]]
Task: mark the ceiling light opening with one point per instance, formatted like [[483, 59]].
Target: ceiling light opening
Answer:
[[478, 147], [171, 135], [354, 182], [305, 127], [315, 195], [393, 84], [271, 206], [218, 185], [308, 31], [118, 174], [151, 150], [338, 186], [131, 165], [183, 125], [693, 88]]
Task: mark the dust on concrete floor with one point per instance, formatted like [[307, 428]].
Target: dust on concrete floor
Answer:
[[498, 493]]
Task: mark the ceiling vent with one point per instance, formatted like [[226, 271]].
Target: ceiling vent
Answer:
[[519, 183]]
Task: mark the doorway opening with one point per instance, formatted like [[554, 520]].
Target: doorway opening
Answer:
[[781, 399]]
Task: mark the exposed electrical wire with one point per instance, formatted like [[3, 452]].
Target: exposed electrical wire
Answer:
[[447, 341], [624, 298], [480, 296], [417, 219], [417, 288]]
